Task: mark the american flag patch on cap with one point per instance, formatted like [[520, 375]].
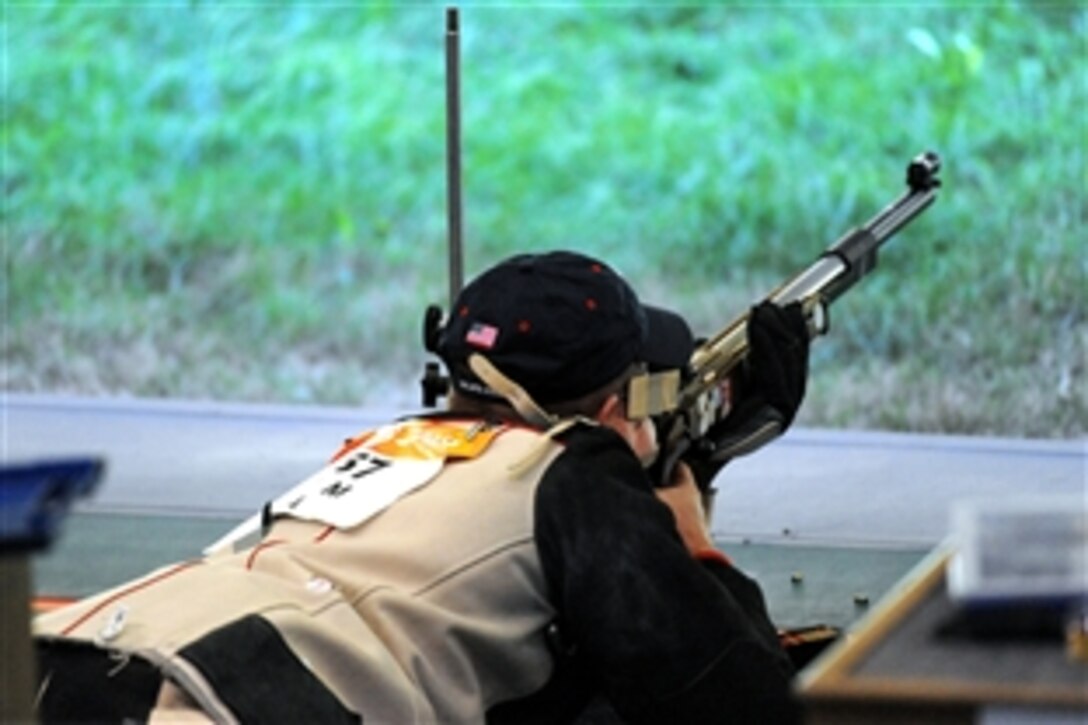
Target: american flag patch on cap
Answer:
[[482, 336]]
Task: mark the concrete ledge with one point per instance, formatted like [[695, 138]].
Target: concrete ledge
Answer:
[[812, 486], [846, 487]]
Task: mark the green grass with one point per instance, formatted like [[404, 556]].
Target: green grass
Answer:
[[248, 202]]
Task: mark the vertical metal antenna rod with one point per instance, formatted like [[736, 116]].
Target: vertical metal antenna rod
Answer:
[[453, 151]]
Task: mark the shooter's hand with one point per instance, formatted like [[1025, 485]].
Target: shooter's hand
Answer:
[[775, 372]]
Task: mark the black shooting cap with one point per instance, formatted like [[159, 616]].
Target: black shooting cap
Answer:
[[560, 324]]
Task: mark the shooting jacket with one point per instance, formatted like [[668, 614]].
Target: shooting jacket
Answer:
[[511, 587]]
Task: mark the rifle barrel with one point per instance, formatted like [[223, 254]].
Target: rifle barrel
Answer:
[[836, 270]]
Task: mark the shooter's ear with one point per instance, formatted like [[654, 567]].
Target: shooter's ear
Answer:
[[611, 409]]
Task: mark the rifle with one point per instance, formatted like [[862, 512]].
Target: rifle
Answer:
[[701, 399]]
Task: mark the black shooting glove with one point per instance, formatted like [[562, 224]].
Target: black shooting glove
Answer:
[[766, 390], [776, 370]]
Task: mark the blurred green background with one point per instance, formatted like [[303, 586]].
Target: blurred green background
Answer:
[[247, 202]]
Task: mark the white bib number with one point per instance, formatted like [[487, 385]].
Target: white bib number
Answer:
[[349, 491]]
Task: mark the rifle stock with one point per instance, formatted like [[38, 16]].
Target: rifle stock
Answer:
[[702, 399]]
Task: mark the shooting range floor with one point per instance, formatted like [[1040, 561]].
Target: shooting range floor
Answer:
[[827, 520]]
